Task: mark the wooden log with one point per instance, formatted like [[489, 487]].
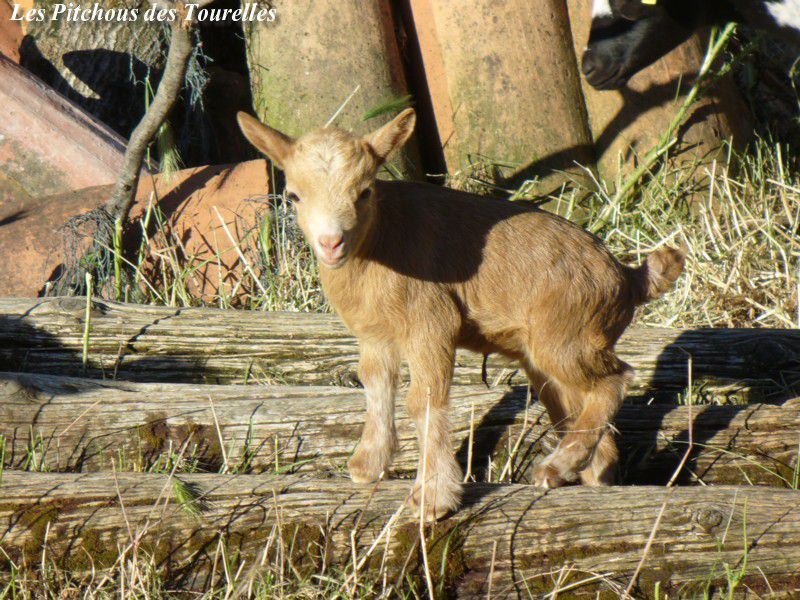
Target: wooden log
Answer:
[[344, 62], [148, 343], [487, 55], [520, 536], [64, 423]]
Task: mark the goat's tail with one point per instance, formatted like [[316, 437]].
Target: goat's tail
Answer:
[[655, 276]]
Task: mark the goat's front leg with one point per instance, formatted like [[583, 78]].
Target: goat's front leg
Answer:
[[378, 370], [437, 489]]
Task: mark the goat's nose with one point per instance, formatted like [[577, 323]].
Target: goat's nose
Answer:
[[590, 62], [330, 243], [601, 69], [330, 248]]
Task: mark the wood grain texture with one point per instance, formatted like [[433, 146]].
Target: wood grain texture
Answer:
[[87, 425], [532, 533], [147, 343]]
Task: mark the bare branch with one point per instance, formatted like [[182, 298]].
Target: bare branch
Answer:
[[180, 49]]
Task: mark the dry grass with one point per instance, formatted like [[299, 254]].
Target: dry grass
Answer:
[[741, 229], [739, 217], [278, 271]]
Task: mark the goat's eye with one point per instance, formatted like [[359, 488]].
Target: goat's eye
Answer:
[[364, 195], [292, 197]]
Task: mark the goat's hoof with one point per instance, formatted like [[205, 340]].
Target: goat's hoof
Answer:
[[440, 501], [362, 471], [599, 477], [548, 476]]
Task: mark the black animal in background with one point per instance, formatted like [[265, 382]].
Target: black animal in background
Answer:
[[628, 35]]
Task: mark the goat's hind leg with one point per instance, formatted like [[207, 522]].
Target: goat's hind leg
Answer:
[[378, 370], [602, 469], [549, 395], [587, 450]]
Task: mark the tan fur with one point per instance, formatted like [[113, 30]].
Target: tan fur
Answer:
[[427, 269]]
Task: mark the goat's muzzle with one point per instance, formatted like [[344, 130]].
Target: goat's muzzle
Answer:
[[331, 250], [601, 73]]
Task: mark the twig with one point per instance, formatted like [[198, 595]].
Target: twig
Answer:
[[422, 540], [627, 593], [690, 446], [342, 105], [491, 571], [219, 436], [245, 262], [122, 503], [386, 529], [507, 468], [118, 206], [604, 577], [87, 321], [79, 417], [471, 441], [180, 49]]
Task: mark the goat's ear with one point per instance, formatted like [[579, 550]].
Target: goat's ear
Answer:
[[267, 140], [393, 135]]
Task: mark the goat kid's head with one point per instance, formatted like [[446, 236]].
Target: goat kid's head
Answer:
[[330, 176], [628, 35]]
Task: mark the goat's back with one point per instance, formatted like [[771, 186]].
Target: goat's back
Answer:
[[506, 264]]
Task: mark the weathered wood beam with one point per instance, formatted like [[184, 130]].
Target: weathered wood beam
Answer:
[[520, 535], [63, 423], [148, 343]]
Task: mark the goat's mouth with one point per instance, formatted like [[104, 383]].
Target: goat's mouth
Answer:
[[333, 262], [615, 82], [604, 79]]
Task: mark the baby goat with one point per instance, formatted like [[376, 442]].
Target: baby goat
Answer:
[[416, 271]]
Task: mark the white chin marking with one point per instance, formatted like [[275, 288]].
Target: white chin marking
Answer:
[[332, 265], [786, 13], [601, 8]]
